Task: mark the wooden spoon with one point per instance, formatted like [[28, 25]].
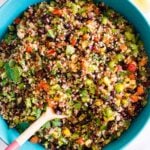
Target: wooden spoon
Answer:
[[46, 116]]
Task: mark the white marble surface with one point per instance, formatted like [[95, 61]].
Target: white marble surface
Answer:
[[142, 141]]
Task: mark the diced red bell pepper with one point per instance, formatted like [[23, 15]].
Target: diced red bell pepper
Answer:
[[132, 67]]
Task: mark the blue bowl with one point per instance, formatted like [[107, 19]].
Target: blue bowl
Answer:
[[13, 9]]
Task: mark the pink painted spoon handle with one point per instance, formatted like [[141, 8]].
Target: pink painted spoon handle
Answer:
[[13, 146], [48, 115]]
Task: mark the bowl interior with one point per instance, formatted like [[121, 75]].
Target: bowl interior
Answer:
[[12, 9]]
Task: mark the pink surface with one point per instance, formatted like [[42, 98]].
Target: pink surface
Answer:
[[13, 146]]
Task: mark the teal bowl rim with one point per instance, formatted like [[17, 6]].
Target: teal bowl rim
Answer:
[[147, 22]]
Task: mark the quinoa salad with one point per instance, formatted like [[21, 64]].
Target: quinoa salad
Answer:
[[82, 59]]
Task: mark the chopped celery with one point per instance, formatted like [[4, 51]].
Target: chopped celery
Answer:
[[107, 81], [92, 68], [130, 36], [108, 114], [55, 87], [62, 141], [21, 86], [104, 20], [112, 64], [85, 99], [89, 82], [75, 136], [135, 49], [84, 96], [120, 57], [84, 93], [75, 8], [28, 102], [77, 106], [103, 127], [34, 100], [119, 87], [70, 50], [51, 33]]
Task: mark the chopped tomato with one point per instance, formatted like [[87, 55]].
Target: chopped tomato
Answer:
[[134, 98], [132, 67], [43, 86], [57, 12], [140, 90], [80, 141], [29, 49], [73, 41], [132, 76], [123, 47], [51, 52], [85, 36], [17, 21], [143, 62], [34, 139], [96, 39]]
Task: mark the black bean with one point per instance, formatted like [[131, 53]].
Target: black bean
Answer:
[[67, 25]]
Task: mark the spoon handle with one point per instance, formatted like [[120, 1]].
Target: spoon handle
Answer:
[[47, 116], [29, 132]]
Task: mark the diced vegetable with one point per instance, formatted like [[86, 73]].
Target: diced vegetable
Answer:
[[140, 90], [66, 132], [119, 87], [51, 33], [104, 20], [134, 98], [70, 50], [1, 63], [132, 67], [112, 64], [130, 36], [28, 103], [56, 123], [34, 139]]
